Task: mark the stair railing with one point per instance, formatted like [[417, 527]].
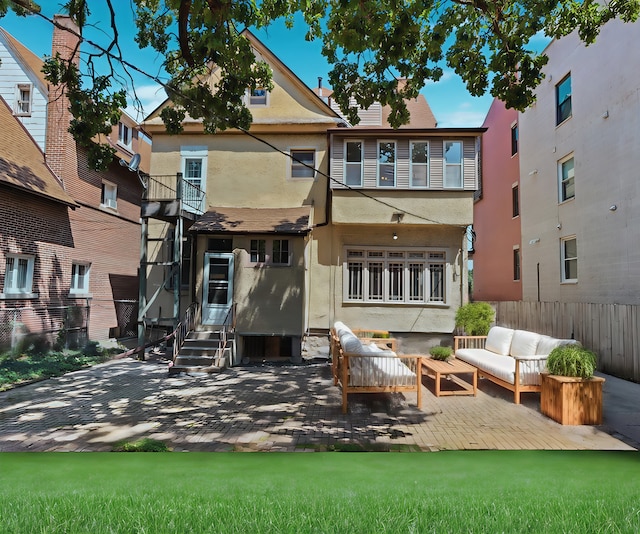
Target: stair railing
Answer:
[[185, 326], [228, 325]]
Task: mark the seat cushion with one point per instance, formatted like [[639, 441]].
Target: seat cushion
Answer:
[[499, 340], [524, 343], [379, 371], [498, 365]]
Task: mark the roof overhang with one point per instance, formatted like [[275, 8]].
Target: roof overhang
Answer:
[[284, 221]]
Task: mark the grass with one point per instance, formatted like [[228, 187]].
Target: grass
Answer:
[[473, 491], [28, 366]]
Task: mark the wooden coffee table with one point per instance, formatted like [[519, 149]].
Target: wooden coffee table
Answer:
[[437, 369]]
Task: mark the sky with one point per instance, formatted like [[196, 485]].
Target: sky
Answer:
[[450, 102]]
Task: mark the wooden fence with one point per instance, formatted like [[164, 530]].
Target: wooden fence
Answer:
[[612, 331]]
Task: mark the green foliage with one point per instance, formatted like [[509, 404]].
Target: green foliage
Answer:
[[370, 43], [31, 364], [475, 318], [572, 360], [441, 353], [142, 445]]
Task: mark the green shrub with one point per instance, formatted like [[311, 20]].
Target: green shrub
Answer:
[[572, 360], [475, 318], [142, 445], [441, 353]]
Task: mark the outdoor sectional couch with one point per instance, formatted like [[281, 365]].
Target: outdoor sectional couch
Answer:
[[511, 358], [371, 365]]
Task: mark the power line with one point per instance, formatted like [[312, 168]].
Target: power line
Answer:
[[156, 79]]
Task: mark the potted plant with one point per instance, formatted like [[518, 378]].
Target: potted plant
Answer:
[[440, 353], [570, 394], [475, 318]]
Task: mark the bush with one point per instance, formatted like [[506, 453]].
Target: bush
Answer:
[[142, 445], [572, 360], [441, 353], [475, 318]]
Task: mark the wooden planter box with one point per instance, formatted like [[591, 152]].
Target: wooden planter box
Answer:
[[572, 401]]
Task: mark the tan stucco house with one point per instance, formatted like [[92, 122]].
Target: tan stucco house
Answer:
[[310, 220]]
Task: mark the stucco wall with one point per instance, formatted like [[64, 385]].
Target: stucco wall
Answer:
[[603, 134]]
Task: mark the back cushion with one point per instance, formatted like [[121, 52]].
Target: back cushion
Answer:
[[499, 340], [341, 328], [546, 345], [350, 343], [524, 343]]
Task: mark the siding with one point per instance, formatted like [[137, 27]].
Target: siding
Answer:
[[436, 163], [11, 74]]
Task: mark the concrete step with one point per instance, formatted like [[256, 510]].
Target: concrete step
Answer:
[[175, 369], [188, 350]]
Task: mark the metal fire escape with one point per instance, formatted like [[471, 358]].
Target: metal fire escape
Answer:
[[173, 200]]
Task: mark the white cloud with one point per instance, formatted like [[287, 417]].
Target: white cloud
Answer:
[[151, 96]]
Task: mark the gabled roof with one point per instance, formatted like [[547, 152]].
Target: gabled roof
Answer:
[[290, 221], [262, 50], [22, 163], [27, 58]]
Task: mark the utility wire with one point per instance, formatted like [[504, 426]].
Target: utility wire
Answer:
[[156, 79]]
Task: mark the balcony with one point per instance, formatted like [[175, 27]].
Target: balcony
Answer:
[[169, 196]]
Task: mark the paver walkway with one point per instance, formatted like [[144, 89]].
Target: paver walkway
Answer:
[[268, 408]]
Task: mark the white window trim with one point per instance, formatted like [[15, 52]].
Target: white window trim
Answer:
[[128, 145], [386, 301], [268, 252], [195, 152], [411, 164], [110, 203], [395, 163], [560, 163], [73, 287], [292, 151], [345, 163], [10, 293], [445, 164], [19, 87], [563, 259], [266, 100]]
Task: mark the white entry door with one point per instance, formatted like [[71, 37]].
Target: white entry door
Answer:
[[217, 288]]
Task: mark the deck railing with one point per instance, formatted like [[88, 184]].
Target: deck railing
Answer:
[[173, 187]]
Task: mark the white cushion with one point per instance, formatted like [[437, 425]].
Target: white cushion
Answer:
[[341, 328], [524, 343], [546, 345], [503, 367], [350, 343], [375, 371], [499, 340], [375, 349]]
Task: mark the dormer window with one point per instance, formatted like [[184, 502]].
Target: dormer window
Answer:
[[258, 97], [23, 100]]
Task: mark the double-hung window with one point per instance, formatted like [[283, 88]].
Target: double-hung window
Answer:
[[23, 99], [18, 275], [353, 166], [515, 200], [566, 179], [514, 139], [303, 163], [419, 171], [569, 259], [563, 99], [386, 164], [124, 135], [258, 96], [393, 276], [109, 197], [80, 278], [453, 171], [280, 252], [270, 252]]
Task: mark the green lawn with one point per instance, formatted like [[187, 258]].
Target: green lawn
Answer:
[[475, 491]]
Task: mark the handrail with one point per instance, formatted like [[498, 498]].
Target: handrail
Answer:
[[185, 326], [172, 187], [228, 325]]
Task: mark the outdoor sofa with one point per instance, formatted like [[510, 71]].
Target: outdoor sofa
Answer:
[[371, 365], [511, 358]]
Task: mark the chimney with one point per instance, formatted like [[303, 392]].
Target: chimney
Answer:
[[60, 147]]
